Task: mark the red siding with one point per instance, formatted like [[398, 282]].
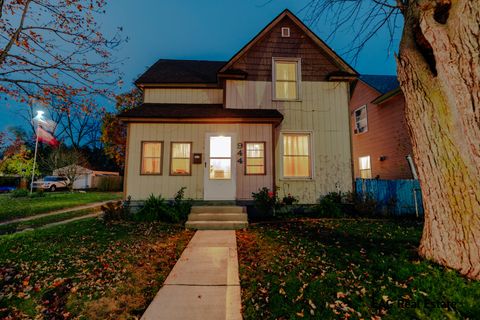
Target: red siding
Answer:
[[387, 135]]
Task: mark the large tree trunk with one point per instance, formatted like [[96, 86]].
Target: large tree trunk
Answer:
[[439, 73]]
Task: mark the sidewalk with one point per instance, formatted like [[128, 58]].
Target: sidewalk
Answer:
[[204, 284]]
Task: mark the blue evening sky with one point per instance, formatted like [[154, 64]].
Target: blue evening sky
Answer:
[[210, 30]]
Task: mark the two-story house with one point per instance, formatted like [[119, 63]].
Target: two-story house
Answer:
[[274, 115], [380, 140]]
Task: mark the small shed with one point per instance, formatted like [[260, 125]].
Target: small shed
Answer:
[[87, 178]]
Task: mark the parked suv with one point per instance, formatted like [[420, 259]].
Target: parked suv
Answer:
[[51, 183]]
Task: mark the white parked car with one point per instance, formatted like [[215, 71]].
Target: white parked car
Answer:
[[51, 183]]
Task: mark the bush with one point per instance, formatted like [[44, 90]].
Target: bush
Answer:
[[331, 205], [116, 211], [289, 200], [181, 206], [40, 193], [265, 201], [19, 193], [158, 209]]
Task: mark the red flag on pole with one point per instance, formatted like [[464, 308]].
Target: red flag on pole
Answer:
[[46, 137]]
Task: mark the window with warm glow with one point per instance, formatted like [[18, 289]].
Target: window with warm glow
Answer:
[[220, 158], [180, 158], [296, 155], [286, 79], [365, 167], [152, 157], [254, 158]]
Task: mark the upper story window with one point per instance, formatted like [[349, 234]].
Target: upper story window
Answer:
[[286, 79], [361, 122]]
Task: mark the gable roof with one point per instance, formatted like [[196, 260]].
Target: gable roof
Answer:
[[344, 66], [381, 83], [168, 71]]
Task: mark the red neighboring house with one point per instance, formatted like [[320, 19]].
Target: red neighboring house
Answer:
[[380, 139]]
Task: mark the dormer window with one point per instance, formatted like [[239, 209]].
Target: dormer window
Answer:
[[286, 79]]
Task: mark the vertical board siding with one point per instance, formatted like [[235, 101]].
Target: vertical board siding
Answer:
[[165, 95], [393, 196], [323, 111], [141, 186]]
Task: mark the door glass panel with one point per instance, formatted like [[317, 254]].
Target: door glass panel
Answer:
[[220, 169], [220, 147], [220, 158]]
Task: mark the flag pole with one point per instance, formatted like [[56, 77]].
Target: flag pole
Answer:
[[34, 160]]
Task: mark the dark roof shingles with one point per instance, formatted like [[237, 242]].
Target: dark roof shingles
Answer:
[[181, 71], [381, 83], [196, 111]]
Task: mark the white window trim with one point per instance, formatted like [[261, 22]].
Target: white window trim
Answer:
[[355, 119], [299, 78], [312, 156], [359, 166]]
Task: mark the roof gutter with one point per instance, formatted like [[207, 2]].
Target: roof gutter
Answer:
[[387, 96]]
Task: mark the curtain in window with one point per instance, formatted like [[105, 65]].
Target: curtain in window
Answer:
[[151, 157], [180, 158], [296, 155], [285, 80]]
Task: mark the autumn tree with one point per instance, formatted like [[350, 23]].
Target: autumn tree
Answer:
[[54, 48], [438, 66], [114, 131], [68, 162]]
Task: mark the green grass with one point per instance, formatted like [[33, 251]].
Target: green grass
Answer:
[[14, 208], [86, 269], [40, 222], [338, 269]]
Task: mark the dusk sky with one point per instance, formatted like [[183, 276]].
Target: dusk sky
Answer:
[[207, 30]]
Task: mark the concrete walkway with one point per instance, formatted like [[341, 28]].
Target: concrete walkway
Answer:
[[95, 205], [204, 284]]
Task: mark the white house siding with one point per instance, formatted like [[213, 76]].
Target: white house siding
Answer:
[[323, 110], [175, 95], [139, 187]]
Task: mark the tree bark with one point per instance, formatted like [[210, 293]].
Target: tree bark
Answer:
[[439, 73]]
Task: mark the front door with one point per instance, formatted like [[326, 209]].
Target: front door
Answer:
[[219, 178]]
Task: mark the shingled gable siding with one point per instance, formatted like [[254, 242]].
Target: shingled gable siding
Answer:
[[187, 95], [139, 187], [387, 135], [257, 62]]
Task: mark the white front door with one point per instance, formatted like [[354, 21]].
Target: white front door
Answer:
[[219, 178]]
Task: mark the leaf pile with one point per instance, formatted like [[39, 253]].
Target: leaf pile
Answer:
[[347, 269]]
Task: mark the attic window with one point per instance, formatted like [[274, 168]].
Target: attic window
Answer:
[[285, 32]]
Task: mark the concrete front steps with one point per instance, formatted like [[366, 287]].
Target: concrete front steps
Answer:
[[217, 218]]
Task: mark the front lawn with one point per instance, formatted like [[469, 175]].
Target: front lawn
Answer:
[[86, 269], [347, 269], [13, 208]]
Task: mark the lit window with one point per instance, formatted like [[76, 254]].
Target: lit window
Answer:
[[255, 158], [361, 124], [180, 158], [286, 79], [152, 157], [365, 168], [296, 155], [220, 158]]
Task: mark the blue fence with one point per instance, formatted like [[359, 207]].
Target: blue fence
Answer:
[[398, 197]]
